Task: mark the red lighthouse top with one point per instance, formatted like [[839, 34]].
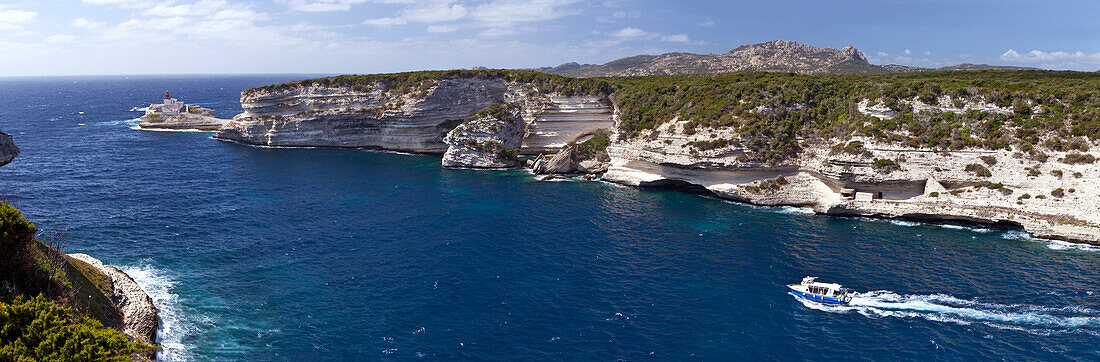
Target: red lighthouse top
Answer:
[[166, 95]]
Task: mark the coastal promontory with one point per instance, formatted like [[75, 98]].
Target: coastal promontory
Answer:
[[1009, 147]]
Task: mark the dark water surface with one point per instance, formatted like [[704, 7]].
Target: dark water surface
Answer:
[[300, 254]]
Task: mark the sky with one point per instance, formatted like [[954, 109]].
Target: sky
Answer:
[[93, 37]]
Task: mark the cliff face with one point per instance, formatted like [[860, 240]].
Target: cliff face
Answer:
[[8, 151], [376, 116], [969, 153], [488, 140], [139, 316], [1053, 198]]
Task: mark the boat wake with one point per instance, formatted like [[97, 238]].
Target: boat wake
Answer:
[[174, 328], [1031, 319]]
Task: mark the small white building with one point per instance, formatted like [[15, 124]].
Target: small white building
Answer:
[[170, 106]]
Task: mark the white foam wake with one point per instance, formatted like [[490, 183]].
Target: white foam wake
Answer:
[[174, 326], [1032, 319]]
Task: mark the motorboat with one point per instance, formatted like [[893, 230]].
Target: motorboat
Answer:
[[812, 290]]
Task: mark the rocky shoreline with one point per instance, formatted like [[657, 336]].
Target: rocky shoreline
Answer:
[[139, 315], [1053, 197]]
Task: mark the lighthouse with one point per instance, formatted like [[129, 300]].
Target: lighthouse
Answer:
[[170, 106]]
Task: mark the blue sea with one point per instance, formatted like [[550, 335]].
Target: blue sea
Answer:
[[318, 254]]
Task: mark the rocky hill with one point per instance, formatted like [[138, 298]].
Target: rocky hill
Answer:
[[775, 56], [993, 146]]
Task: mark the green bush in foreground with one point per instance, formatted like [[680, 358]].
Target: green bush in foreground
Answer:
[[13, 224], [37, 329]]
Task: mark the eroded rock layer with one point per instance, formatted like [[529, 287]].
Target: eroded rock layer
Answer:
[[564, 121], [1053, 199], [488, 140], [638, 138]]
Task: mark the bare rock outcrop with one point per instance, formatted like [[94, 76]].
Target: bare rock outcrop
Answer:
[[559, 163], [8, 150], [488, 139], [174, 115], [139, 315]]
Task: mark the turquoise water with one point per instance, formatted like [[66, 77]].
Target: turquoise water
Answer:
[[297, 254]]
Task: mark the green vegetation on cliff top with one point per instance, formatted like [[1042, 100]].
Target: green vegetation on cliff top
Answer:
[[38, 328], [35, 329], [775, 113]]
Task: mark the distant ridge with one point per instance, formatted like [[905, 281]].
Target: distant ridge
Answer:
[[774, 56]]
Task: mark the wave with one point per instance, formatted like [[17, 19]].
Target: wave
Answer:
[[1050, 244], [1032, 319], [792, 210], [139, 109], [174, 326], [128, 122]]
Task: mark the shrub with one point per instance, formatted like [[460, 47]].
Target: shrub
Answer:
[[978, 170], [1058, 192], [38, 329], [885, 165], [1057, 173], [851, 148], [1077, 158], [989, 160], [590, 148], [934, 194], [13, 224], [1032, 171], [1025, 196], [1078, 175]]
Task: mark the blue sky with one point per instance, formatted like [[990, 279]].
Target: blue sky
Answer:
[[65, 37]]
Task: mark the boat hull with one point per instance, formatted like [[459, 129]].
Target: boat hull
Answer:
[[816, 298]]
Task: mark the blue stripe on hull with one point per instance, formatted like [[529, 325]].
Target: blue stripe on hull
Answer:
[[816, 298]]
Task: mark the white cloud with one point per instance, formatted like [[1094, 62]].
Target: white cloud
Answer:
[[385, 21], [321, 5], [424, 12], [632, 33], [709, 23], [12, 21], [442, 28], [495, 17], [1054, 60], [17, 16], [499, 13], [85, 23], [676, 38], [435, 13], [907, 52], [61, 39]]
